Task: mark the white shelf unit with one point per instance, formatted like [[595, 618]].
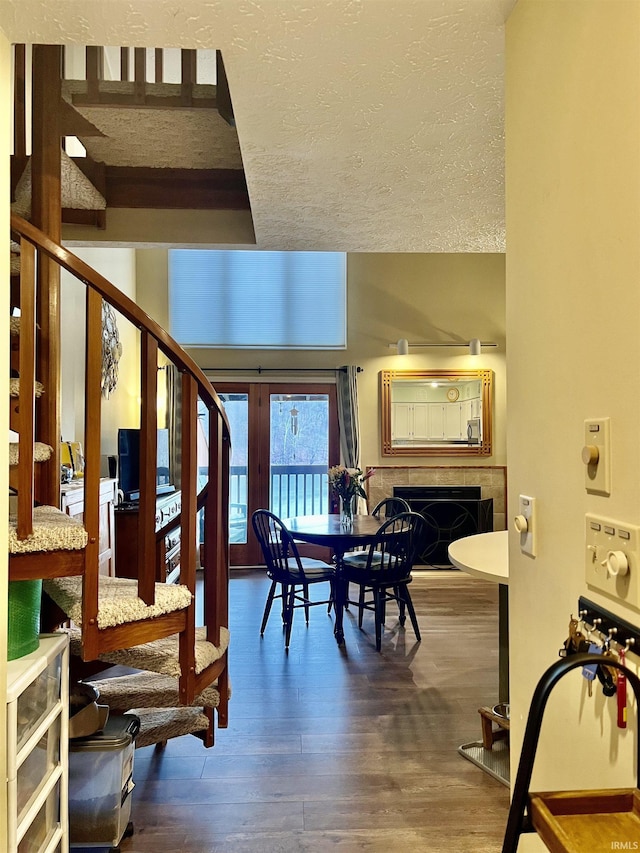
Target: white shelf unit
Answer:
[[37, 748]]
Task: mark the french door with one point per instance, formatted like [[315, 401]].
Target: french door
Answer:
[[284, 437]]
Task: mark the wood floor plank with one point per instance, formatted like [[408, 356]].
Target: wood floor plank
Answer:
[[338, 749]]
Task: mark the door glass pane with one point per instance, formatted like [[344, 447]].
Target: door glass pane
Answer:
[[237, 408], [299, 456]]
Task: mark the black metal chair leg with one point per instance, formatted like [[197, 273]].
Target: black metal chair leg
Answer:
[[267, 607]]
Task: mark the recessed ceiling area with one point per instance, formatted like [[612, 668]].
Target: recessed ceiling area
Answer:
[[363, 126]]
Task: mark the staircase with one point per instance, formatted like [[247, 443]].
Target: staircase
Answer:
[[148, 625], [134, 620]]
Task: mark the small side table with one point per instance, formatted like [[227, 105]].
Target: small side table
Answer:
[[489, 735]]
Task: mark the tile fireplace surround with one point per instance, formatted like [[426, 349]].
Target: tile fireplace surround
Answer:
[[491, 478]]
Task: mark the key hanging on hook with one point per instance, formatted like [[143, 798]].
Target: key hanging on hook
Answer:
[[621, 685], [590, 669]]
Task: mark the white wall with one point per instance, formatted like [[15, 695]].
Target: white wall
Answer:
[[121, 409], [573, 321]]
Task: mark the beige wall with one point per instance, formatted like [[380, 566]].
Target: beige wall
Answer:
[[421, 297], [5, 100], [121, 409], [573, 318]]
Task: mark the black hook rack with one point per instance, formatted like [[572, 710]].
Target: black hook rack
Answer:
[[622, 632]]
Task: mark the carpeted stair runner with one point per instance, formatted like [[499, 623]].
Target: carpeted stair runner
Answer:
[[155, 700], [41, 452], [161, 656], [53, 530], [118, 600]]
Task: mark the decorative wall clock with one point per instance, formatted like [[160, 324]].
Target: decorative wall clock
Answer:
[[453, 394], [111, 350]]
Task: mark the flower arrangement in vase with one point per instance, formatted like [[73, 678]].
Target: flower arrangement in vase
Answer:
[[348, 485]]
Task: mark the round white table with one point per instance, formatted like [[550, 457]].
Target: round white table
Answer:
[[486, 556]]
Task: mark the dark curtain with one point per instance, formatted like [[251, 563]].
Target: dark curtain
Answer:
[[347, 387]]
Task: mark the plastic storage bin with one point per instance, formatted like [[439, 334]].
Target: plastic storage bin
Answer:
[[100, 783]]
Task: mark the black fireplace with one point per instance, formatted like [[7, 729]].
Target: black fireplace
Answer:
[[451, 512]]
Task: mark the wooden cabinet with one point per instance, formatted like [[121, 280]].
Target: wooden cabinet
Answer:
[[72, 502], [37, 753], [126, 538], [411, 421]]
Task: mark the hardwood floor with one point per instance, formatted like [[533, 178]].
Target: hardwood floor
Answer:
[[339, 749]]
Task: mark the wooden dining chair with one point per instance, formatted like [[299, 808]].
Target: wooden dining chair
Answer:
[[288, 570], [386, 508], [384, 571]]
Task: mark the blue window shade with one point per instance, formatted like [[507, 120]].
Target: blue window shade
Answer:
[[258, 300]]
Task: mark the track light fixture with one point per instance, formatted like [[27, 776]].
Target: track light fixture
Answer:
[[475, 345]]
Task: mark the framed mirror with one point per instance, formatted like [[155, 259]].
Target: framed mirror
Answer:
[[436, 412]]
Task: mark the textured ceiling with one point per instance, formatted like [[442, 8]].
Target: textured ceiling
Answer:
[[370, 125]]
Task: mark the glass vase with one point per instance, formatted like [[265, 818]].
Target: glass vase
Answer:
[[346, 510]]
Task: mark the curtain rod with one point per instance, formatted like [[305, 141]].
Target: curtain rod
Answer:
[[278, 369]]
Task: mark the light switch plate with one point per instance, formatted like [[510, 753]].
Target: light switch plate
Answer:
[[597, 473], [605, 535], [527, 509]]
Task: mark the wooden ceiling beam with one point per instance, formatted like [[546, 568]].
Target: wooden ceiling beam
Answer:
[[182, 189]]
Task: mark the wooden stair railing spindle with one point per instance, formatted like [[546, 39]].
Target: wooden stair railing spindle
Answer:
[[158, 64], [147, 553], [124, 64], [196, 390], [26, 399], [92, 410], [94, 58], [45, 212], [216, 531], [139, 75], [19, 102], [188, 476], [188, 76]]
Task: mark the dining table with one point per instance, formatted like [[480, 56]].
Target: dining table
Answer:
[[330, 531]]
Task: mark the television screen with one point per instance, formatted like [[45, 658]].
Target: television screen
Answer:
[[129, 463]]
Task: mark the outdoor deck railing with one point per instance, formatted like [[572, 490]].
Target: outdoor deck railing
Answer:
[[294, 490]]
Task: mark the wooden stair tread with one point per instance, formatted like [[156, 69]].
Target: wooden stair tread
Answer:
[[118, 601], [14, 388], [41, 452], [161, 656], [53, 530], [160, 724]]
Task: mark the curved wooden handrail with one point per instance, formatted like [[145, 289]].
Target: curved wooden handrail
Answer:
[[124, 304], [213, 497]]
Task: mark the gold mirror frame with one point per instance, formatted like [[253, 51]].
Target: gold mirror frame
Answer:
[[482, 448]]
